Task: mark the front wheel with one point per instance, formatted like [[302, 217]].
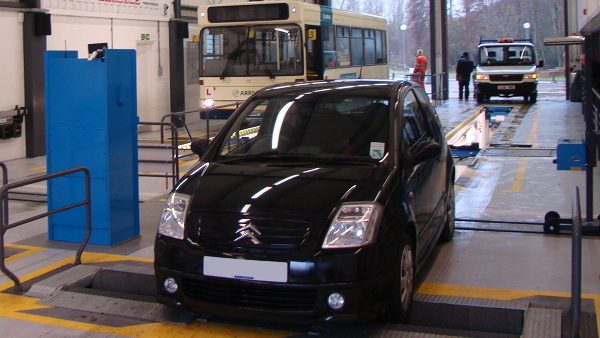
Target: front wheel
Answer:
[[402, 286], [533, 98], [480, 98]]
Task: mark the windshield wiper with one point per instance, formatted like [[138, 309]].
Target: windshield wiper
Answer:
[[270, 155], [268, 71], [236, 53], [348, 160]]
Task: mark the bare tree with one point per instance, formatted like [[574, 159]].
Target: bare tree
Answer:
[[468, 21]]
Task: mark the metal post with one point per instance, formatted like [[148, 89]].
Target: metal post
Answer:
[[3, 227], [576, 266], [403, 29], [207, 114], [589, 96]]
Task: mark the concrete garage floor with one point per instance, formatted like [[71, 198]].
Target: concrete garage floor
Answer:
[[488, 259]]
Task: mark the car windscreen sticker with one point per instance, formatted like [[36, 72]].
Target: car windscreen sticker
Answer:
[[377, 149]]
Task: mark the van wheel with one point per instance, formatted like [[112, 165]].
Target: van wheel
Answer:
[[480, 98], [533, 98], [402, 285]]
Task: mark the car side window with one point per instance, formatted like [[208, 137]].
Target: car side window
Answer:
[[430, 116], [415, 127]]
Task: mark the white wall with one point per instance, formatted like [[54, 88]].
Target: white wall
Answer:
[[124, 24], [11, 75], [150, 39]]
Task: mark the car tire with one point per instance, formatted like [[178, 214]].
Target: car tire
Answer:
[[449, 225], [402, 285]]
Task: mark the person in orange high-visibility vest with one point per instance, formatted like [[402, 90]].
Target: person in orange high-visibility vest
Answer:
[[420, 68]]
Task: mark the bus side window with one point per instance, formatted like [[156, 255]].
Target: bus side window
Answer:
[[343, 46], [380, 47], [328, 37], [369, 47]]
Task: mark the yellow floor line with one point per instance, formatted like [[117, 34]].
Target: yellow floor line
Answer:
[[42, 168], [498, 294], [534, 129], [517, 183], [12, 306], [28, 251]]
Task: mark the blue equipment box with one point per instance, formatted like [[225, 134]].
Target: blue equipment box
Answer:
[[91, 121], [570, 154]]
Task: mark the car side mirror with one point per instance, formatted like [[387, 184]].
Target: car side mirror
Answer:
[[426, 150], [541, 63], [200, 146]]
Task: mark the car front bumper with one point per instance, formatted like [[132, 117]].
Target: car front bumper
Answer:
[[506, 89], [292, 302]]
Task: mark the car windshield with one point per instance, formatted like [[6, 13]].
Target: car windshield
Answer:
[[320, 126], [506, 55]]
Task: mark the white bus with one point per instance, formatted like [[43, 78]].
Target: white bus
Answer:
[[247, 46]]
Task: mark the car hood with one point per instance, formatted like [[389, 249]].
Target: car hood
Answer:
[[304, 191]]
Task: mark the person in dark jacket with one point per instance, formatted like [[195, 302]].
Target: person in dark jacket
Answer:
[[464, 68]]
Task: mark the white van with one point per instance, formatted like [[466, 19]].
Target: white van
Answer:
[[507, 68]]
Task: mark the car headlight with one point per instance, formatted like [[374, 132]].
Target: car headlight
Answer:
[[354, 225], [172, 221], [531, 76], [482, 77]]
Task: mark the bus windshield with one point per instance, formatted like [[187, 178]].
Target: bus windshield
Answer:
[[251, 50], [506, 55]]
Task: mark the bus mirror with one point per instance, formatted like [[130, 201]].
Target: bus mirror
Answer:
[[312, 34]]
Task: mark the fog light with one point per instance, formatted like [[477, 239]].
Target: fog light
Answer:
[[170, 285], [335, 301]]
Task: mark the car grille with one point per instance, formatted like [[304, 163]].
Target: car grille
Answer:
[[506, 77], [276, 236], [239, 294]]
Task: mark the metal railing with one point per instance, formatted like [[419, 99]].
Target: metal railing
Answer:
[[436, 96], [4, 225], [155, 156], [151, 163], [180, 117]]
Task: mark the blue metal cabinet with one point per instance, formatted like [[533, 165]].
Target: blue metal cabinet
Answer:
[[570, 154], [91, 121]]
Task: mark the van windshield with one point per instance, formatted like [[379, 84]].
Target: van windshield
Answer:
[[502, 54]]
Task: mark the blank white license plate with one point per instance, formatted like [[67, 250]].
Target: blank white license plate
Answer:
[[506, 87], [265, 271]]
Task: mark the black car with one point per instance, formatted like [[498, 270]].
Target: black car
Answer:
[[316, 202]]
